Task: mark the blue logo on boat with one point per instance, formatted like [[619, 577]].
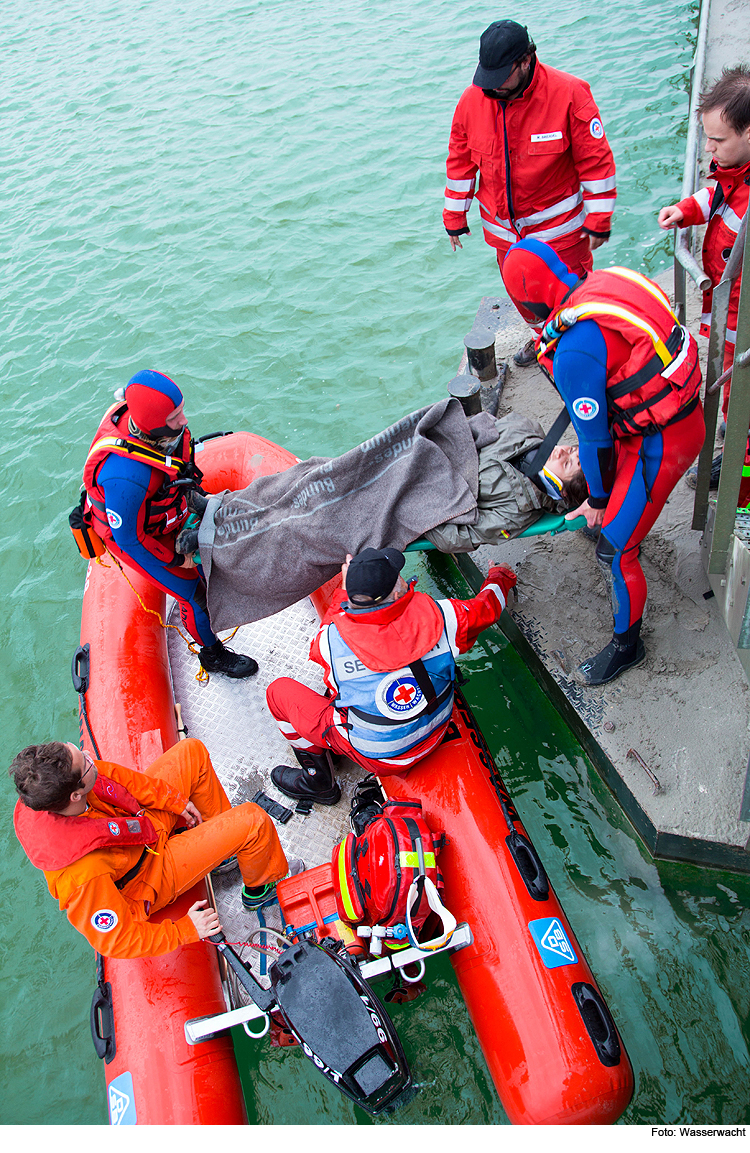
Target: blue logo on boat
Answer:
[[552, 942], [121, 1101]]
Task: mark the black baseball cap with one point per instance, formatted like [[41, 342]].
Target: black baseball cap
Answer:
[[500, 46], [373, 573]]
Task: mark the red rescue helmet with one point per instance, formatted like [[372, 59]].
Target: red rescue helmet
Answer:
[[536, 278], [151, 397]]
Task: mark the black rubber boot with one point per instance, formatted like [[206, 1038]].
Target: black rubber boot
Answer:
[[313, 781], [196, 501], [691, 476], [623, 652], [525, 356], [218, 659], [187, 542]]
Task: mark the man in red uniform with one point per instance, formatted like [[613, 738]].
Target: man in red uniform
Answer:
[[725, 112], [388, 653], [630, 378], [103, 835], [536, 137]]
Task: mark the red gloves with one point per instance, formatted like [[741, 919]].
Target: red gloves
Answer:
[[502, 576]]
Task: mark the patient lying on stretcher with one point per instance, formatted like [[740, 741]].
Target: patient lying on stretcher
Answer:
[[458, 481], [509, 501]]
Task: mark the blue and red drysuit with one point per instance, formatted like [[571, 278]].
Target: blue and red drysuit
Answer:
[[630, 379], [135, 507], [125, 484], [632, 476]]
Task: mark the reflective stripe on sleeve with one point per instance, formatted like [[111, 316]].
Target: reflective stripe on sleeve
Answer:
[[607, 185], [461, 185], [451, 624], [599, 205]]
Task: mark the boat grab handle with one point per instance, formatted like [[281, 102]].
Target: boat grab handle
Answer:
[[264, 1030]]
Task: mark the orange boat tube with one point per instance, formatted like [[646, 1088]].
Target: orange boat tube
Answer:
[[154, 1076]]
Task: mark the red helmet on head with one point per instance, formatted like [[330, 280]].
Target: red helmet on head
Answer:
[[536, 279], [151, 397]]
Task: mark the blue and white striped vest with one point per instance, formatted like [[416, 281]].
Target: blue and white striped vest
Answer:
[[390, 713]]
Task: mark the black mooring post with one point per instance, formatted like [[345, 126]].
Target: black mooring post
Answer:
[[466, 389], [480, 349]]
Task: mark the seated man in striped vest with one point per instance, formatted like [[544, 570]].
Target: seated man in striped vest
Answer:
[[388, 653]]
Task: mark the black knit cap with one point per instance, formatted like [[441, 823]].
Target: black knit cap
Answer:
[[500, 46], [373, 573]]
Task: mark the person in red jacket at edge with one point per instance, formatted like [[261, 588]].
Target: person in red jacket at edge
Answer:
[[104, 837], [141, 486], [536, 137], [630, 378], [388, 653], [725, 112]]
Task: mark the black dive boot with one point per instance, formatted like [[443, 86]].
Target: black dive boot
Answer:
[[186, 542], [218, 659], [313, 781], [623, 652]]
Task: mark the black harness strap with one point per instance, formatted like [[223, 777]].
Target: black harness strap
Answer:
[[537, 462], [131, 872], [654, 367]]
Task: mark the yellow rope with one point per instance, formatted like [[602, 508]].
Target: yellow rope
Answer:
[[201, 676]]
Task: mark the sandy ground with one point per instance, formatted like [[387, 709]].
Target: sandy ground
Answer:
[[686, 710]]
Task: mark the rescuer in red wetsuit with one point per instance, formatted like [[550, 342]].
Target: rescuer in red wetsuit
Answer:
[[725, 113], [138, 479], [536, 137], [630, 379], [103, 835], [388, 653]]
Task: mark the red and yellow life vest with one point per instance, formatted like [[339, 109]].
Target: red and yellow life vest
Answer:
[[52, 841], [165, 506], [653, 372]]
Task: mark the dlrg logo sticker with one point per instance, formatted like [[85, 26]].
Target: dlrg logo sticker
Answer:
[[552, 942]]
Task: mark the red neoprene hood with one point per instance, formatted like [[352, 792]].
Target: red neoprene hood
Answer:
[[535, 276], [150, 397]]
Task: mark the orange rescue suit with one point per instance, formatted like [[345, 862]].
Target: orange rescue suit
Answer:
[[116, 921]]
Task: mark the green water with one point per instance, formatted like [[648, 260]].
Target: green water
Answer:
[[248, 198]]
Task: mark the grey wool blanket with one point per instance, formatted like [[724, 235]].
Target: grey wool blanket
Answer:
[[279, 539]]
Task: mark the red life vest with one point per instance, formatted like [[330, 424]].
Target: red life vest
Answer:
[[166, 506], [52, 841], [653, 372]]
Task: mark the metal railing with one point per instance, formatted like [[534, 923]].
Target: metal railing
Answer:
[[684, 261]]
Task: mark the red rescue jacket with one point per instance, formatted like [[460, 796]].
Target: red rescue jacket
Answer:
[[546, 167], [165, 506], [52, 841], [723, 206], [653, 372]]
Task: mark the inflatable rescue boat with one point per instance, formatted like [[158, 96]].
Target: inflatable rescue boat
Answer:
[[162, 1024]]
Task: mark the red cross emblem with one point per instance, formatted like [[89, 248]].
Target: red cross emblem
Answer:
[[584, 408], [404, 694]]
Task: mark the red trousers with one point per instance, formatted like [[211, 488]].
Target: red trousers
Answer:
[[245, 830], [307, 721]]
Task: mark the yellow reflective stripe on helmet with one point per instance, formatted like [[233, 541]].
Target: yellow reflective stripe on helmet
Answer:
[[411, 860], [580, 311], [344, 884]]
